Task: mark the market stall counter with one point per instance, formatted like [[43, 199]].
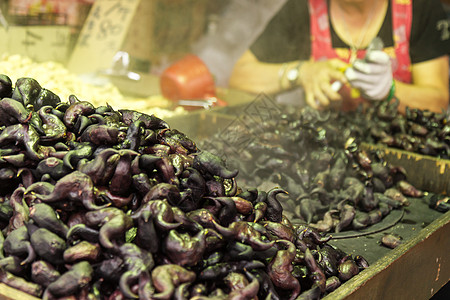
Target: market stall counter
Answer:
[[421, 261], [227, 206]]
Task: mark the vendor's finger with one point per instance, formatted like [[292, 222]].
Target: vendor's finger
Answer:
[[377, 56], [339, 75], [362, 67], [362, 82], [360, 85], [370, 68], [338, 64], [351, 74], [369, 91], [361, 78], [321, 96], [309, 96], [311, 101], [330, 93], [354, 76]]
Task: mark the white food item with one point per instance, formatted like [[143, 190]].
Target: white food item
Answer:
[[56, 78]]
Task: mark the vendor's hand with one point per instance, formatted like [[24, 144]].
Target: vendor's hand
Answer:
[[372, 75], [316, 79]]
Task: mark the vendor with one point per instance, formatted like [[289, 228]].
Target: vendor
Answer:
[[314, 43]]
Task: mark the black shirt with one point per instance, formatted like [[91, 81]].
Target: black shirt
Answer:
[[287, 36]]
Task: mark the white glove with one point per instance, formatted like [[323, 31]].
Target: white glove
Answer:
[[371, 75]]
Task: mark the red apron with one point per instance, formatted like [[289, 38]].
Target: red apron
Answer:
[[321, 47]]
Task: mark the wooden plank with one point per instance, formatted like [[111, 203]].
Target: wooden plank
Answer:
[[416, 269], [425, 172], [102, 35]]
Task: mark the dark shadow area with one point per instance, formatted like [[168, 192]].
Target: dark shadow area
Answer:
[[443, 293]]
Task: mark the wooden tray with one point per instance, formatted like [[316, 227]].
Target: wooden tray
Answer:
[[425, 172]]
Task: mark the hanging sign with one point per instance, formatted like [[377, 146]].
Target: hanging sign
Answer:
[[102, 35]]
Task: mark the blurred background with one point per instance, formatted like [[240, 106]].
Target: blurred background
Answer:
[[124, 46], [118, 49]]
